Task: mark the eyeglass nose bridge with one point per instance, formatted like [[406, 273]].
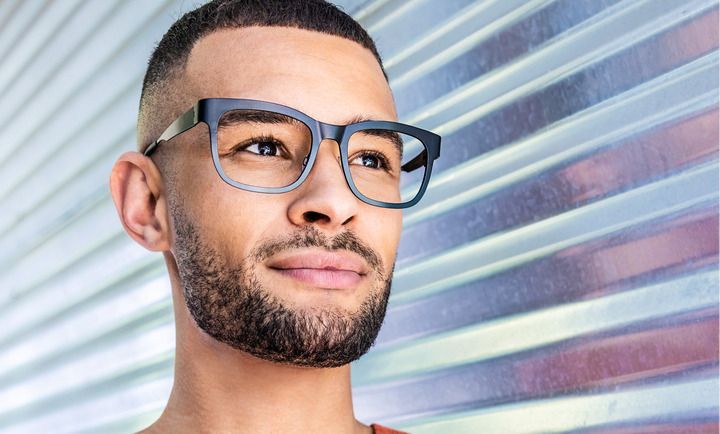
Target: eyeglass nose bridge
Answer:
[[327, 131], [330, 131]]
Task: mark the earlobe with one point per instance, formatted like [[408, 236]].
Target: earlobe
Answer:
[[137, 191]]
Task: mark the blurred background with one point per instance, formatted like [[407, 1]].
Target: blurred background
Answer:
[[560, 275]]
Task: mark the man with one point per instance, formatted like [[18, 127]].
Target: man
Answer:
[[280, 272]]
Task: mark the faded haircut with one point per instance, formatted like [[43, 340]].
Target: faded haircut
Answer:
[[169, 58]]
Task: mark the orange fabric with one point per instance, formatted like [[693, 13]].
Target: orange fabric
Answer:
[[379, 429]]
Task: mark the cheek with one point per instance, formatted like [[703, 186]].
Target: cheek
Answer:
[[230, 218], [239, 220], [384, 230]]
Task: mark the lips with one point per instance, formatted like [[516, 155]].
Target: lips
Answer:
[[331, 270]]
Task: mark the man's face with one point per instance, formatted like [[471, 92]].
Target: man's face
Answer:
[[238, 252]]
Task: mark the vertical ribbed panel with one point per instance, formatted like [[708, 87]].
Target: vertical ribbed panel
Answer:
[[560, 275]]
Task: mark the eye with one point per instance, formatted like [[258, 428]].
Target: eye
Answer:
[[372, 160], [262, 146]]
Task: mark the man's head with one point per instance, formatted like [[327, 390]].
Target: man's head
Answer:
[[226, 245], [163, 97]]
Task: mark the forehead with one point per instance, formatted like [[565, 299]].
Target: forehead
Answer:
[[328, 77]]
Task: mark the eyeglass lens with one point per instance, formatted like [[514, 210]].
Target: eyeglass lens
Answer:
[[268, 149]]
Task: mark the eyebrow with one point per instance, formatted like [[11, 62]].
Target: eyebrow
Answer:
[[266, 117], [237, 116], [359, 118], [258, 116], [387, 134]]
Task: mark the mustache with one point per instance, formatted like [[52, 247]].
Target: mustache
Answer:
[[310, 236]]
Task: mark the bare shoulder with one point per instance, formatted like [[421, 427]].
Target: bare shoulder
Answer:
[[361, 428]]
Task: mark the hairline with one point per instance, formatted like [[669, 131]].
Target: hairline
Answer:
[[171, 83]]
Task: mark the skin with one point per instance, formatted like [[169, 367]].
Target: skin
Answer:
[[218, 388]]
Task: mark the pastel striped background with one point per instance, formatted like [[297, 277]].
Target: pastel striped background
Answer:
[[560, 275]]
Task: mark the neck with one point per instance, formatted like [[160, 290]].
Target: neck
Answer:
[[218, 388]]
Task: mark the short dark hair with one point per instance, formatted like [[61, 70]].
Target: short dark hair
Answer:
[[172, 52]]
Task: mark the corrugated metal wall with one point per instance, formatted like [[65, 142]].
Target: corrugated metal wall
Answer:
[[561, 273]]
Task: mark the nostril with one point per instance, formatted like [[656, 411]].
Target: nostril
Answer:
[[313, 216]]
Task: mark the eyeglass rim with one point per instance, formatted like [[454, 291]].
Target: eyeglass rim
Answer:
[[210, 110]]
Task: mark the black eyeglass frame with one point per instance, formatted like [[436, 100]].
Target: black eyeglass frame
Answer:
[[210, 110]]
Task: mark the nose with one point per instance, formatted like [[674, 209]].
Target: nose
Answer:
[[324, 198]]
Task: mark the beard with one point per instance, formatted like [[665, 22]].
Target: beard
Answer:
[[228, 301]]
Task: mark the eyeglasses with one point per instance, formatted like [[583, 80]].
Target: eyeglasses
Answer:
[[270, 148]]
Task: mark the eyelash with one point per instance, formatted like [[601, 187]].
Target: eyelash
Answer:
[[384, 163], [258, 139]]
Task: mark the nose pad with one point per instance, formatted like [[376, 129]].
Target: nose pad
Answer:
[[307, 158]]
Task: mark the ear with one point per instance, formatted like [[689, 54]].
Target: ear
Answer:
[[139, 195]]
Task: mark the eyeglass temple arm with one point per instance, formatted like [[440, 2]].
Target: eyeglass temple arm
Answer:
[[416, 162], [186, 121]]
